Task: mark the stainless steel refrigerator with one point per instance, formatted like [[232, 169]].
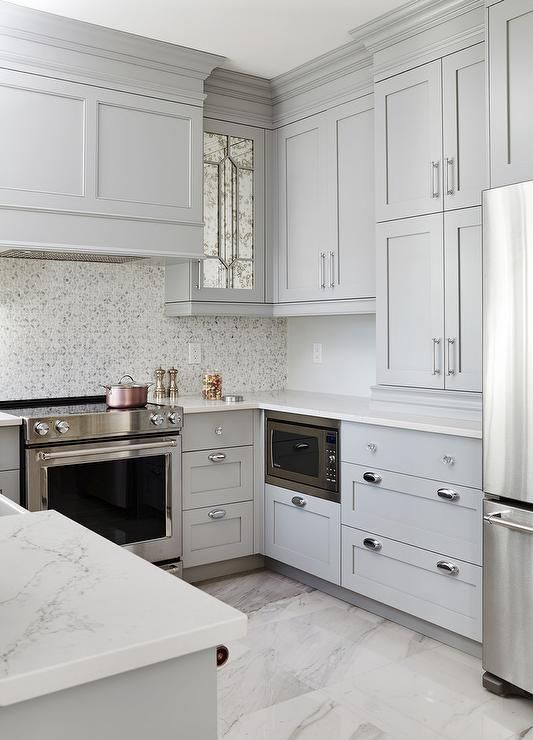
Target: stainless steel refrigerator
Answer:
[[508, 438]]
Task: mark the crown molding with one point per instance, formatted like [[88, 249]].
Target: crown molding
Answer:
[[234, 96], [414, 17]]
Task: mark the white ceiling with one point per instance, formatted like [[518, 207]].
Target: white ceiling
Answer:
[[261, 38]]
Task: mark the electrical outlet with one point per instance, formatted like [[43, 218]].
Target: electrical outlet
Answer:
[[317, 352], [195, 353]]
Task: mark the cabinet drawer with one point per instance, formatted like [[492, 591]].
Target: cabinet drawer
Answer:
[[441, 457], [208, 539], [217, 429], [10, 485], [306, 537], [221, 476], [411, 510], [9, 448], [409, 579]]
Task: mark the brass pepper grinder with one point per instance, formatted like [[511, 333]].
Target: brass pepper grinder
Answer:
[[160, 390], [173, 386]]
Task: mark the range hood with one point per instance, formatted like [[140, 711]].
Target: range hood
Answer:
[[39, 254]]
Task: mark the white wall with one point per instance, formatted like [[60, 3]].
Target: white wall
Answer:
[[348, 354]]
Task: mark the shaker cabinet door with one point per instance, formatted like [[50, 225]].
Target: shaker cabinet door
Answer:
[[463, 278], [303, 262], [410, 302], [409, 143], [352, 254], [464, 127], [510, 34]]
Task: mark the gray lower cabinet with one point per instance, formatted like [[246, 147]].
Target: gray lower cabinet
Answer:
[[10, 484], [213, 429], [212, 476], [510, 57], [303, 531], [217, 533], [10, 463], [434, 587]]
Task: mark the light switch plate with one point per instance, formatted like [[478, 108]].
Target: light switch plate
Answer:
[[195, 353]]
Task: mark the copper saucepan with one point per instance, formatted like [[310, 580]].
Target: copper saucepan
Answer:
[[126, 395]]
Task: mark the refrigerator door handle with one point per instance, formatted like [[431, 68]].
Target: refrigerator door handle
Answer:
[[495, 517]]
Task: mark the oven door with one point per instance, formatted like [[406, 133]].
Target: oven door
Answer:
[[127, 491], [296, 458]]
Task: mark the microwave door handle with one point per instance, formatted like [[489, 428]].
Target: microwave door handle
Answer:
[[105, 450], [301, 446]]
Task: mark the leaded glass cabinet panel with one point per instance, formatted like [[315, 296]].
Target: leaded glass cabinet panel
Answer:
[[233, 268]]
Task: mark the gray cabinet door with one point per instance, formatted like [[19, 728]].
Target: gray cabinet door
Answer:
[[410, 302], [464, 127], [302, 209], [463, 303], [409, 143], [510, 30], [352, 258]]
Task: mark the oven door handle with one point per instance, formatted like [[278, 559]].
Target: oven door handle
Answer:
[[106, 450]]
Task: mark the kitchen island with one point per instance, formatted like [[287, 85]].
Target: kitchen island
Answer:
[[97, 643]]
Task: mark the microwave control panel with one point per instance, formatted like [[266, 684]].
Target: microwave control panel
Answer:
[[331, 460]]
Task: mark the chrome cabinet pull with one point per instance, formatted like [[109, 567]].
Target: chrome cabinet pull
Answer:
[[447, 567], [332, 269], [448, 494], [216, 457], [495, 518], [435, 368], [298, 501], [450, 342], [435, 165], [371, 477], [449, 179], [217, 514], [218, 430], [372, 544], [198, 278], [322, 270]]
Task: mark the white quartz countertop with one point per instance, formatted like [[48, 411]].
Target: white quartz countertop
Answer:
[[344, 408], [8, 420], [75, 608]]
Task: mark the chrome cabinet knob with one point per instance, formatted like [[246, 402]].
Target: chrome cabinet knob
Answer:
[[41, 428], [448, 460], [218, 430], [157, 419], [62, 426], [372, 447]]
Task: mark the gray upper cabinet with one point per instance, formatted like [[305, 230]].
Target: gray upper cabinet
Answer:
[[352, 257], [410, 302], [510, 35], [431, 137], [409, 143], [465, 166], [302, 163], [463, 300]]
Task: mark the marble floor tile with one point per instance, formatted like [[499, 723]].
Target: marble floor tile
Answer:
[[313, 667]]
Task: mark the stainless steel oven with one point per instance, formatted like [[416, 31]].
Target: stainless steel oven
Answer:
[[302, 454], [127, 490]]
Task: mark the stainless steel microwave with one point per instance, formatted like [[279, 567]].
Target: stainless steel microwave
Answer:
[[302, 454]]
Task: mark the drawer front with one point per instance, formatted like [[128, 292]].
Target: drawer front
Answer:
[[217, 533], [9, 448], [217, 429], [441, 457], [10, 485], [407, 578], [221, 476], [306, 537], [411, 510]]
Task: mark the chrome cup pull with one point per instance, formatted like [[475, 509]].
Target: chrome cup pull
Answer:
[[372, 544], [298, 501], [448, 494], [216, 457], [217, 514], [371, 477], [447, 567]]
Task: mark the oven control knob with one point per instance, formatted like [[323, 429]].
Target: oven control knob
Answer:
[[174, 418], [62, 426], [157, 419], [41, 428]]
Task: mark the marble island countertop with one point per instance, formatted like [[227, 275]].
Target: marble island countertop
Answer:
[[343, 408], [76, 608]]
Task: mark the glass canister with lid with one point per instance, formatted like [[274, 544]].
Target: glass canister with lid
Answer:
[[212, 385]]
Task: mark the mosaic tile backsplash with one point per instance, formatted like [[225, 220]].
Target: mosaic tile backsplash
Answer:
[[67, 327]]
